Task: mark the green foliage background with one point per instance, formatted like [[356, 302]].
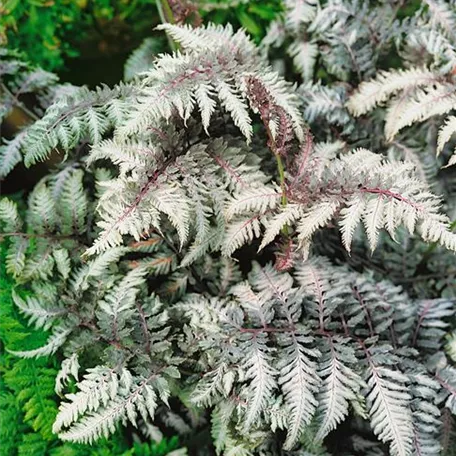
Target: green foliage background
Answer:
[[51, 31], [55, 34]]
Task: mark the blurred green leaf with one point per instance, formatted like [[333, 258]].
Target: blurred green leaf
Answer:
[[249, 23]]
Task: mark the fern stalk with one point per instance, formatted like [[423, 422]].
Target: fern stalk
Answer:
[[21, 106], [166, 16]]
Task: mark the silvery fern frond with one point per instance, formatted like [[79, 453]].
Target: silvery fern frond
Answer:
[[70, 367], [9, 215], [10, 221], [98, 386], [142, 58], [426, 166], [190, 190], [54, 222], [261, 376], [446, 379], [304, 57], [38, 312], [386, 84], [426, 414], [446, 132], [10, 153], [80, 116], [62, 262], [377, 193], [340, 384], [389, 403], [431, 326], [54, 342], [324, 102], [132, 397], [443, 15], [21, 80], [299, 382], [214, 65], [419, 106], [95, 268], [416, 95], [300, 12]]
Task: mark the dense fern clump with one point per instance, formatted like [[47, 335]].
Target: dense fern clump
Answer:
[[243, 260], [28, 395]]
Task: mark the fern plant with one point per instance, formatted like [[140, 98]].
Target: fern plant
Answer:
[[150, 264], [389, 34], [29, 394]]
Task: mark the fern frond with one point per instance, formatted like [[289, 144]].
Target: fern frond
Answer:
[[426, 414], [70, 366], [239, 233], [95, 268], [445, 133], [15, 259], [258, 199], [102, 423], [180, 82], [9, 216], [259, 371], [73, 204], [37, 312], [315, 218], [299, 382], [213, 382], [10, 153], [276, 224], [340, 385], [379, 90], [32, 383], [54, 342], [389, 406], [442, 15], [142, 58], [432, 322], [62, 262], [42, 213], [83, 114], [422, 105], [304, 57], [140, 213], [325, 103], [379, 194], [99, 385], [446, 379]]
